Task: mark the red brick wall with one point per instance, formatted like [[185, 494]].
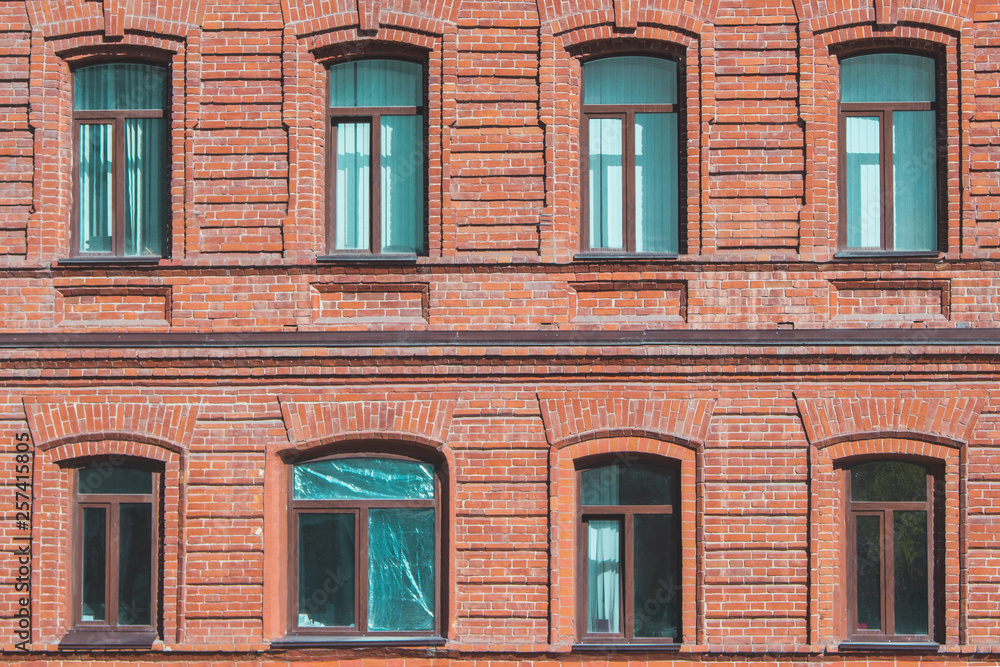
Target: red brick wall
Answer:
[[757, 427]]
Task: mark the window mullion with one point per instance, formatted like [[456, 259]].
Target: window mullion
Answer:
[[361, 576], [376, 183], [118, 185], [628, 156], [111, 567], [628, 575], [889, 572], [885, 158]]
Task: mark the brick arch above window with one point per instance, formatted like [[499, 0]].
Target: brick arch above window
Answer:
[[312, 17], [626, 15], [820, 15], [114, 18]]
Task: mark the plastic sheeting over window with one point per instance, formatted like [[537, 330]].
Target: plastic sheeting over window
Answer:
[[364, 479], [401, 569]]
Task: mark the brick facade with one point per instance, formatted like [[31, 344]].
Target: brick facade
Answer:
[[759, 360]]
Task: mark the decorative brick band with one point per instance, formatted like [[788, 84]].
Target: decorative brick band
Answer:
[[58, 421], [942, 420], [310, 422], [571, 418]]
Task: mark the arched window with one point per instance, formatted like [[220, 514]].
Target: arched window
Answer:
[[116, 565], [630, 556], [366, 546], [889, 171], [376, 157], [631, 155], [890, 536], [122, 167]]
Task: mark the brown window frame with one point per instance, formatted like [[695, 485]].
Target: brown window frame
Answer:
[[116, 118], [884, 111], [626, 113], [359, 508], [373, 116], [626, 514], [111, 503], [933, 505]]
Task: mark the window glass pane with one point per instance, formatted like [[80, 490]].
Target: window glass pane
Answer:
[[120, 86], [888, 481], [402, 183], [353, 185], [864, 183], [909, 549], [657, 584], [94, 549], [326, 570], [376, 83], [607, 183], [135, 562], [96, 193], [603, 576], [145, 185], [656, 182], [869, 571], [109, 477], [364, 479], [914, 178], [628, 483], [887, 77], [401, 569], [630, 80]]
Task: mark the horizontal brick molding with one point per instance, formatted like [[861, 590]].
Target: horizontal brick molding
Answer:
[[572, 417], [75, 419], [942, 420], [311, 422]]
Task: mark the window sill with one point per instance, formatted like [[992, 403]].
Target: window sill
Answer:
[[592, 255], [612, 646], [890, 646], [366, 258], [341, 641], [106, 260], [887, 255], [107, 639]]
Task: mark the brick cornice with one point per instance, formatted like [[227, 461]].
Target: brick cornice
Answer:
[[311, 422], [829, 420], [574, 417], [62, 420]]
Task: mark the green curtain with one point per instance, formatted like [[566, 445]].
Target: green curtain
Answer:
[[864, 182], [96, 189], [914, 178], [402, 166], [887, 77], [376, 83], [353, 185], [656, 182], [630, 80], [119, 86], [607, 183], [145, 185], [401, 569]]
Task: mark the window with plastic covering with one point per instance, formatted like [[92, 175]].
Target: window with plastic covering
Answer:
[[121, 201], [889, 127], [376, 158], [116, 551], [891, 535], [366, 536], [631, 156], [629, 559]]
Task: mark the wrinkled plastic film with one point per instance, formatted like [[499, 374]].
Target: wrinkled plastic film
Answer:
[[401, 569], [364, 479]]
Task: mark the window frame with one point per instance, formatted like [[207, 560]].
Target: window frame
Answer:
[[626, 113], [933, 505], [116, 119], [360, 508], [112, 504], [373, 116], [884, 111], [626, 514]]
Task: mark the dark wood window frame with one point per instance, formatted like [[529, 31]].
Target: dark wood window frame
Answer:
[[109, 632], [884, 111], [372, 116], [626, 113], [626, 515], [116, 119], [934, 506], [360, 508]]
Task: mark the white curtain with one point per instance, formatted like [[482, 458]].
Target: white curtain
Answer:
[[864, 189], [96, 187], [603, 576], [607, 185], [353, 185]]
